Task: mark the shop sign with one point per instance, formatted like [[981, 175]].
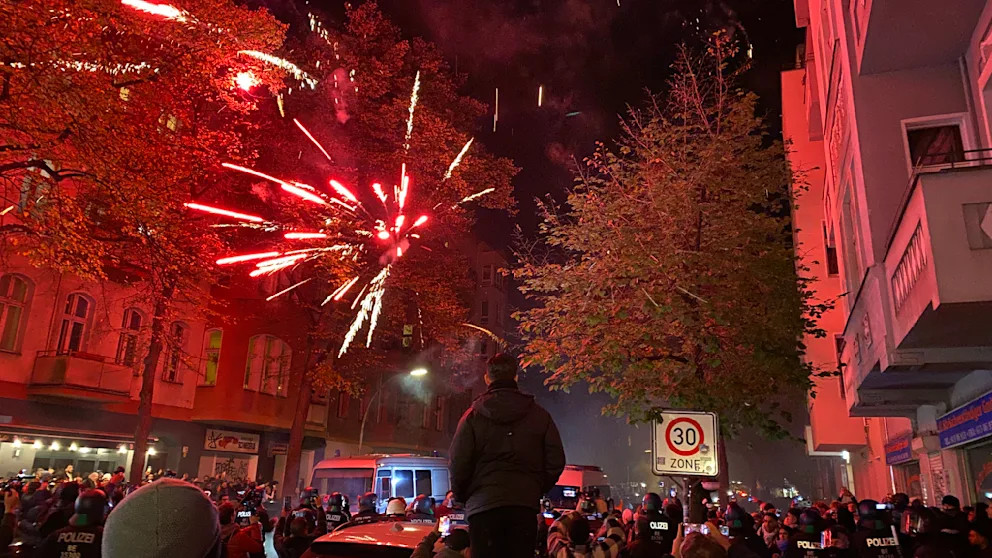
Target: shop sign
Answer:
[[225, 440], [278, 448], [899, 449], [966, 423]]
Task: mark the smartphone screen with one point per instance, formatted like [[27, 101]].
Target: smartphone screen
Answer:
[[445, 526], [725, 531]]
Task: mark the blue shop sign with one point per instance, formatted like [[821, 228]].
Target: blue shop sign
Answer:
[[966, 423], [899, 449]]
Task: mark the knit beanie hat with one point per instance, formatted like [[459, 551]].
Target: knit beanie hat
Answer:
[[166, 518]]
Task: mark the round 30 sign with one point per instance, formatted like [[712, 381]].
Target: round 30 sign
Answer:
[[685, 443]]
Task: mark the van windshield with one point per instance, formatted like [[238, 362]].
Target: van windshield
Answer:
[[564, 497], [350, 482]]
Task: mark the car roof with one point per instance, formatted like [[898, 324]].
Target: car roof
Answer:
[[372, 461], [403, 534]]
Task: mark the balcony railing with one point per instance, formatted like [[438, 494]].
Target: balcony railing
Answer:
[[79, 376]]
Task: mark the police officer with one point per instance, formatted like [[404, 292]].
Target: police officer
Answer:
[[806, 542], [651, 517], [337, 515], [875, 536], [742, 531], [587, 507], [84, 535], [366, 506], [420, 510]]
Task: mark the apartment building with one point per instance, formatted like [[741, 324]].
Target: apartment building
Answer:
[[225, 389], [888, 118]]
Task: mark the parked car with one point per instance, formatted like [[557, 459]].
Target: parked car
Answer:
[[382, 539]]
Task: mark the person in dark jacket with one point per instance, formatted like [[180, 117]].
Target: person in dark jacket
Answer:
[[84, 534], [505, 455]]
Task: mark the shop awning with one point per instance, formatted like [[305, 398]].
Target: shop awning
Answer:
[[29, 433]]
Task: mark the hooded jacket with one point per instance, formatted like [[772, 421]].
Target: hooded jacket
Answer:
[[506, 452]]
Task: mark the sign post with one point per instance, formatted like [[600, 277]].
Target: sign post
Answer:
[[685, 443]]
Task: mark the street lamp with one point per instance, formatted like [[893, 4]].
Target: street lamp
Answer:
[[415, 373]]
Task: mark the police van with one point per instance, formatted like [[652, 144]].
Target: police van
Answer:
[[576, 480], [388, 476]]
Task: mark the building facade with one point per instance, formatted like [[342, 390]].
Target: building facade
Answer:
[[888, 115], [71, 352]]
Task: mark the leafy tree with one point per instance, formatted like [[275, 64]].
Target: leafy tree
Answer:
[[668, 279], [111, 118]]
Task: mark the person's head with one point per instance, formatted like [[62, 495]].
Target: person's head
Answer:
[[769, 522], [459, 542], [698, 545], [674, 513], [768, 507], [502, 368], [67, 492], [90, 508], [421, 505], [810, 520], [578, 529], [738, 520], [449, 498], [950, 504], [651, 503], [164, 519], [69, 469], [336, 501], [298, 527], [852, 507], [225, 512], [396, 506], [979, 534], [783, 533], [225, 499], [367, 502]]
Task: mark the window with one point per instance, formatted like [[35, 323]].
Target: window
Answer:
[[403, 483], [34, 188], [127, 342], [839, 350], [499, 313], [385, 484], [484, 348], [440, 407], [178, 335], [75, 324], [423, 486], [935, 145], [344, 402], [267, 368], [484, 313], [498, 279], [211, 356], [833, 267], [487, 275], [13, 304]]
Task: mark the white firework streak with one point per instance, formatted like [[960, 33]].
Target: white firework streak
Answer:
[[164, 10], [286, 290], [371, 306], [474, 196], [458, 159], [293, 69], [414, 97]]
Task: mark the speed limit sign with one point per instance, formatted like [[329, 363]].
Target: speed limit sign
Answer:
[[685, 443]]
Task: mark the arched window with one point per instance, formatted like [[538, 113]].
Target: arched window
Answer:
[[127, 342], [211, 356], [267, 368], [76, 318], [14, 293], [175, 347]]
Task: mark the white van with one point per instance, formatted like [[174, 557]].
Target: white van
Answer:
[[575, 480], [388, 476]]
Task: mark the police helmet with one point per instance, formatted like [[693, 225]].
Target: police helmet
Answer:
[[867, 510], [651, 502], [422, 505], [900, 500], [90, 508], [308, 495], [367, 502], [67, 492], [587, 506], [736, 517], [336, 501], [809, 520]]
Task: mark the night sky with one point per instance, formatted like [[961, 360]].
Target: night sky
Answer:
[[594, 58]]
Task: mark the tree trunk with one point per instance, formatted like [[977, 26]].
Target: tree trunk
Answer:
[[295, 450], [149, 366], [724, 477]]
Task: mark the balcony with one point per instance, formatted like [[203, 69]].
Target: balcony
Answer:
[[901, 34], [79, 377], [920, 321]]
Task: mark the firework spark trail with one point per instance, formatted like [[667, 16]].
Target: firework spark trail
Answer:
[[496, 111], [371, 305], [339, 293], [414, 97], [457, 160], [344, 192], [164, 10], [359, 297], [304, 194], [313, 139], [474, 196], [7, 210], [540, 95], [287, 289], [224, 212], [246, 170], [376, 310], [293, 69], [304, 235], [380, 193], [404, 187], [246, 258]]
